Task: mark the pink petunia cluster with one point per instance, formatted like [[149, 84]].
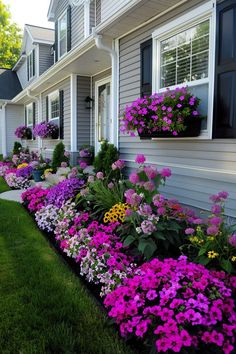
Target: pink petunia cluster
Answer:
[[179, 304], [34, 198]]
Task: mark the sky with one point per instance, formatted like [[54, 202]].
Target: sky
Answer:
[[33, 12]]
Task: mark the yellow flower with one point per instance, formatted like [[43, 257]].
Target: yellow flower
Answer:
[[233, 259], [116, 213], [212, 254], [22, 165], [210, 238], [48, 170]]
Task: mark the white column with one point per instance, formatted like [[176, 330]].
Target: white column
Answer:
[[73, 107], [4, 131]]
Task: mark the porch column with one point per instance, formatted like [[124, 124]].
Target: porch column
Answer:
[[4, 131], [73, 121]]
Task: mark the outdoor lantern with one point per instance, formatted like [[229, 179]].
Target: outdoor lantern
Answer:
[[88, 102]]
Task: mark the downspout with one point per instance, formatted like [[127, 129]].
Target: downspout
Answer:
[[4, 131], [39, 102], [114, 62]]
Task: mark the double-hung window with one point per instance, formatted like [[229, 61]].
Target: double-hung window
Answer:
[[29, 115], [183, 56], [54, 107], [31, 64], [62, 35]]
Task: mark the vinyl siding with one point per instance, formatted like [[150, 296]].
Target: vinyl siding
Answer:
[[95, 78], [199, 167], [45, 58], [14, 118], [109, 8], [83, 114], [77, 20], [22, 71], [65, 86]]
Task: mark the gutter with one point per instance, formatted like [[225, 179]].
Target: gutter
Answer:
[[114, 79]]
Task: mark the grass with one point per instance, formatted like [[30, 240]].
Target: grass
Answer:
[[3, 186], [44, 308]]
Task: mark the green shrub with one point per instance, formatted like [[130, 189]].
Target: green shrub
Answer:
[[59, 155], [17, 147], [105, 158]]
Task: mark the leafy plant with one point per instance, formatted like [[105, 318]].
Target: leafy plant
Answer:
[[100, 197], [59, 155], [17, 148], [212, 242], [107, 155]]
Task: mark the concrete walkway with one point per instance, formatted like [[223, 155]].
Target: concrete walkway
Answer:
[[14, 195]]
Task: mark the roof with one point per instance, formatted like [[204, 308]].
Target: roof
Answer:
[[9, 84], [41, 34]]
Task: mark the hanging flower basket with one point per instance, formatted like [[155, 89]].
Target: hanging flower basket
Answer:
[[23, 132], [171, 114], [46, 130]]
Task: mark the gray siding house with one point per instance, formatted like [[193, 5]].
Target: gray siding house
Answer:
[[108, 53]]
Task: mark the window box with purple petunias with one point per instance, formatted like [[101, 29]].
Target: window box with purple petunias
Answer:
[[46, 130], [170, 114]]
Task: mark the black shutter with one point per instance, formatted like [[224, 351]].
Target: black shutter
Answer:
[[56, 41], [146, 68], [47, 110], [25, 115], [28, 68], [33, 55], [61, 119], [34, 116], [68, 28], [225, 71]]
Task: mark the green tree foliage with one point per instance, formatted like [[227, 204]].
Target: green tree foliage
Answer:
[[105, 158], [59, 155], [17, 147], [10, 38]]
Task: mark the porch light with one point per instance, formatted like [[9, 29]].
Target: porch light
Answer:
[[88, 102]]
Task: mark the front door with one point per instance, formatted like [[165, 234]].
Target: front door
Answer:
[[103, 111]]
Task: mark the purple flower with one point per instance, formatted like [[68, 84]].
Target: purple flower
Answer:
[[134, 178], [232, 240], [140, 159], [46, 130], [189, 231], [100, 175], [216, 209], [64, 191], [216, 221], [165, 172], [212, 230]]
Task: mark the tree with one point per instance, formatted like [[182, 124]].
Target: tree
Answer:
[[10, 38]]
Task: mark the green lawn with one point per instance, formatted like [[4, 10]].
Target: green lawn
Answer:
[[44, 308], [3, 186]]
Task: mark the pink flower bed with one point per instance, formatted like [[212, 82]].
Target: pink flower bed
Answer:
[[178, 303]]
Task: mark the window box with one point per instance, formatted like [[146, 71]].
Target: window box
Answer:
[[183, 55], [193, 129]]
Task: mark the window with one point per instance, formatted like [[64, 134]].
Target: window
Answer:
[[183, 56], [29, 115], [54, 106], [31, 64], [62, 35]]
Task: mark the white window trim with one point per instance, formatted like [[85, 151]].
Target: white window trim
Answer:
[[50, 96], [190, 19], [27, 107], [86, 19], [99, 83], [34, 63], [58, 39]]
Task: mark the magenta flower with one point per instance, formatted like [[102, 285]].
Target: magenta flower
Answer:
[[140, 159], [134, 178], [165, 172]]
